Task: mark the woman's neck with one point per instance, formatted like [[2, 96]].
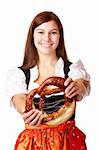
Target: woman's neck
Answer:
[[46, 61], [46, 68]]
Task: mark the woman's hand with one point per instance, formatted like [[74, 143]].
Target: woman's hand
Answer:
[[75, 88], [33, 117]]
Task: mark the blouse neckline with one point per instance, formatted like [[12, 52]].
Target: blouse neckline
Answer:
[[59, 66]]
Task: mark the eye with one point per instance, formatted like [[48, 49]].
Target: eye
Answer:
[[54, 32], [40, 32]]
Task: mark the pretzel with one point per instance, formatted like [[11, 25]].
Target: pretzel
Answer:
[[60, 116]]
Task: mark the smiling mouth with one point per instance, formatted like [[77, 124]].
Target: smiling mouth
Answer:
[[46, 45]]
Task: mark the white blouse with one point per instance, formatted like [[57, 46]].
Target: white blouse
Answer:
[[16, 80]]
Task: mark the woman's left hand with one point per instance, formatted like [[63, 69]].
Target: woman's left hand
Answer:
[[75, 88]]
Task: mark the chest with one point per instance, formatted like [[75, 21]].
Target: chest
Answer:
[[30, 79]]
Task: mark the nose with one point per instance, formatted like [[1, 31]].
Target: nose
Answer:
[[47, 37]]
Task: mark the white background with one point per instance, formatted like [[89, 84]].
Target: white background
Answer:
[[80, 22]]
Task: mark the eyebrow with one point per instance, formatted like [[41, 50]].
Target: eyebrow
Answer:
[[56, 29]]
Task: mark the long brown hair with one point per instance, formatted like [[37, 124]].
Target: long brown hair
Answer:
[[31, 56]]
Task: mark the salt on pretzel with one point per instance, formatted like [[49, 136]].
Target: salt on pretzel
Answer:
[[60, 116]]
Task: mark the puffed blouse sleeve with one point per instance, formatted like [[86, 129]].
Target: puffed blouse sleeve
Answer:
[[77, 70], [16, 82]]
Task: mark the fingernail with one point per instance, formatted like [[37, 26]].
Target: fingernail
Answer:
[[65, 83], [66, 95]]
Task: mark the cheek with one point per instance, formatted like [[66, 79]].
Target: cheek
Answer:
[[56, 39], [36, 38]]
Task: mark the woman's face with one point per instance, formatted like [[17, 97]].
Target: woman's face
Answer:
[[46, 37]]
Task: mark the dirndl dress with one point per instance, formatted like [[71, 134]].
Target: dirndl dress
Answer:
[[65, 136]]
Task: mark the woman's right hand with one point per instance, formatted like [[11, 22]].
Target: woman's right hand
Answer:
[[33, 117]]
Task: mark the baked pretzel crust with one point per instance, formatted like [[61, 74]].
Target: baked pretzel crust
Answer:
[[60, 116]]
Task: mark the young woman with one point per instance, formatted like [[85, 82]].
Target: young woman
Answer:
[[45, 56]]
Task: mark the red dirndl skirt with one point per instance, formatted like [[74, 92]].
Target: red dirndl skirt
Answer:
[[65, 136]]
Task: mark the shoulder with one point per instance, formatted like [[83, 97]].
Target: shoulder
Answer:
[[67, 63], [62, 67], [15, 82], [15, 72], [15, 76], [62, 63]]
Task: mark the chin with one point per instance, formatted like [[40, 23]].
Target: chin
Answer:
[[47, 51]]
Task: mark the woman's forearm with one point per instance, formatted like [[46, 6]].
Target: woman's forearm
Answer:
[[19, 101]]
